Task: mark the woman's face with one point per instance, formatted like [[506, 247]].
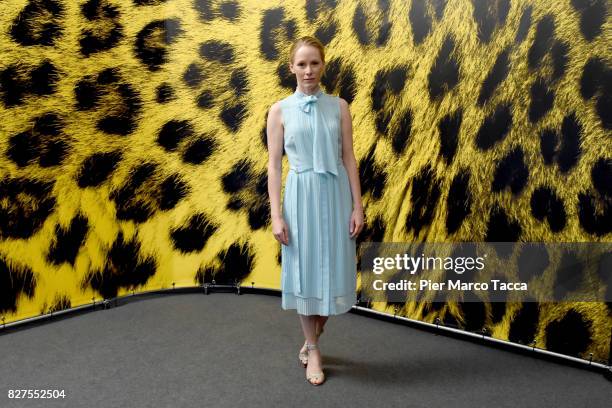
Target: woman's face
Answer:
[[307, 67]]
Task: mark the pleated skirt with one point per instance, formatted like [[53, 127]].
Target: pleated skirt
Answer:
[[319, 266]]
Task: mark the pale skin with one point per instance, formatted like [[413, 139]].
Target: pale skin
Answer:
[[308, 68]]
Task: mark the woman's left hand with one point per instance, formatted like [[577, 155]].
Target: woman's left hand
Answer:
[[356, 223]]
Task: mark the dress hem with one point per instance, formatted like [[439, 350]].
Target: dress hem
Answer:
[[314, 306]]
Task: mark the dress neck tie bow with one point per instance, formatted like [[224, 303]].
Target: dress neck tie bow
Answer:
[[306, 102], [325, 148]]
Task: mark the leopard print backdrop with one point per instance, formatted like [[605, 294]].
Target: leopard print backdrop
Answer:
[[133, 148]]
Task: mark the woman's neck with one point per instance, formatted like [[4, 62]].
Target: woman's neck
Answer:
[[308, 90]]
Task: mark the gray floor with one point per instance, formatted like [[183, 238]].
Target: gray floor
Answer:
[[223, 350]]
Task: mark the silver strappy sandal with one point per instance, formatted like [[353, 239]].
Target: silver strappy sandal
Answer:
[[303, 356], [318, 377]]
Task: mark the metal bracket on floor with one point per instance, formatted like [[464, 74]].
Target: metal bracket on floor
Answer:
[[484, 332], [107, 303], [214, 287], [438, 321]]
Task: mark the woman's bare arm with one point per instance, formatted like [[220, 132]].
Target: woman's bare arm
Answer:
[[275, 135], [348, 158], [348, 155]]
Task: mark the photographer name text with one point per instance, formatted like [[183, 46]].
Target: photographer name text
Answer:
[[426, 284]]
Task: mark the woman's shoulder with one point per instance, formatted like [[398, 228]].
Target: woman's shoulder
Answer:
[[281, 103], [287, 102], [342, 102], [334, 98], [336, 101], [275, 108]]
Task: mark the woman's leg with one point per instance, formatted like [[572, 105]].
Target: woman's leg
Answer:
[[309, 328], [309, 324], [321, 322]]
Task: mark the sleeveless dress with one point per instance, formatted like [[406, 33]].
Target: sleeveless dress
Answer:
[[319, 266]]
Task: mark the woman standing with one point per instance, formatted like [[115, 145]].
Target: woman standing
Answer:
[[322, 213]]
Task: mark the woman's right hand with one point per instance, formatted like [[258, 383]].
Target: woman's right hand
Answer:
[[280, 230]]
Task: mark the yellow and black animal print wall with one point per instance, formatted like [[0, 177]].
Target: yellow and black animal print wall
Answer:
[[133, 154]]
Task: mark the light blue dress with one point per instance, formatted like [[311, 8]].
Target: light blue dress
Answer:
[[319, 266]]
